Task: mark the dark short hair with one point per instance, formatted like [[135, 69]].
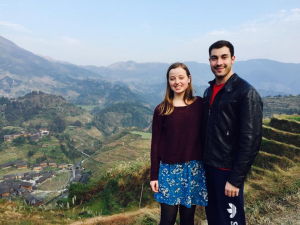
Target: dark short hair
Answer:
[[221, 44]]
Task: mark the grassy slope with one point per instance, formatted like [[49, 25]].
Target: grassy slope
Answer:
[[271, 190], [273, 183], [272, 187], [125, 148]]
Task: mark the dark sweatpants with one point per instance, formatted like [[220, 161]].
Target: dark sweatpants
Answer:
[[221, 209]]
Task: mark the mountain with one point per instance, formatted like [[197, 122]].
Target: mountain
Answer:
[[22, 72], [267, 76], [17, 61], [270, 75]]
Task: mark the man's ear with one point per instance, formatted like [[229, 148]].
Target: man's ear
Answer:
[[232, 59]]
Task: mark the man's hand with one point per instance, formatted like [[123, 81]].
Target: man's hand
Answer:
[[154, 185], [230, 190]]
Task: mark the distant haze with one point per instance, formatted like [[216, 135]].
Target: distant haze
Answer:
[[22, 71], [101, 33]]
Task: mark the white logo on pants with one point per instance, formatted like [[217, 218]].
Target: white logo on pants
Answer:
[[232, 210]]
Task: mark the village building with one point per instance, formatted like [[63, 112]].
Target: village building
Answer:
[[44, 164], [43, 133], [27, 178], [27, 174], [17, 162], [4, 192], [33, 200], [22, 165], [7, 183], [62, 165], [8, 137], [26, 185], [35, 137], [23, 131], [37, 167], [5, 166], [34, 175], [43, 129], [43, 179], [20, 175], [52, 163], [15, 186], [18, 134], [26, 133], [21, 191], [9, 177]]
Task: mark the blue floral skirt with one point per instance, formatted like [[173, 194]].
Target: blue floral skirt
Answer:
[[182, 183]]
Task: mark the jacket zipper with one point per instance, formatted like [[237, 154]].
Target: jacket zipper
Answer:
[[210, 107]]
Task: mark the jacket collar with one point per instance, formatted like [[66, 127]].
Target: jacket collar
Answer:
[[229, 84]]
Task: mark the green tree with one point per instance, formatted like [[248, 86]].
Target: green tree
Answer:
[[77, 123], [19, 140]]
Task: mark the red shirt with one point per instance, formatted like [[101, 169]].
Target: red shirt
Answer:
[[216, 89]]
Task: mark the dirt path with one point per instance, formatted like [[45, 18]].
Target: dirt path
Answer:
[[286, 216], [115, 219]]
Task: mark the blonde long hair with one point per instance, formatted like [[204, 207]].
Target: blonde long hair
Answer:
[[167, 107]]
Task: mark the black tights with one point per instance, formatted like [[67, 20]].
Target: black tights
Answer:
[[169, 213]]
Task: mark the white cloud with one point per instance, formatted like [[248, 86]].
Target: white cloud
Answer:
[[70, 40], [274, 36], [220, 32], [13, 26], [146, 28]]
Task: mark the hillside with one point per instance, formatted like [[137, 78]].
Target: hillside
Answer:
[[281, 105], [273, 183], [124, 147], [68, 125], [74, 132], [22, 72], [118, 116]]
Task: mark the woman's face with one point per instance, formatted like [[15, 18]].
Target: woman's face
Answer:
[[178, 80]]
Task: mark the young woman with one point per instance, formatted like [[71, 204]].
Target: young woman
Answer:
[[177, 173]]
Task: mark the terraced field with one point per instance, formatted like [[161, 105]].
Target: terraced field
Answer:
[[129, 147], [272, 194], [272, 187]]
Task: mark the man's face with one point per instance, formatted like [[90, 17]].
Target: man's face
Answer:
[[221, 62]]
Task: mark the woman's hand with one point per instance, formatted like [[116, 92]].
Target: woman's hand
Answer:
[[154, 185]]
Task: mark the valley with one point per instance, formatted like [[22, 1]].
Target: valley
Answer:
[[271, 189], [79, 137]]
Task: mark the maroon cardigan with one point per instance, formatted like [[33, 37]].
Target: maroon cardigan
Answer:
[[176, 137]]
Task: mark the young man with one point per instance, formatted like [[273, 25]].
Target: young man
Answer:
[[232, 136]]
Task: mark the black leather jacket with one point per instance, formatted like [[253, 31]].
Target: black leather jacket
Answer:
[[232, 128]]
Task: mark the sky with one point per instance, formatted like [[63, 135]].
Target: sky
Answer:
[[100, 33]]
